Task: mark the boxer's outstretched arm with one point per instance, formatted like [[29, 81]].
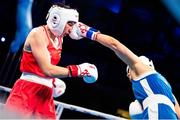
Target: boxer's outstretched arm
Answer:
[[81, 30], [125, 54]]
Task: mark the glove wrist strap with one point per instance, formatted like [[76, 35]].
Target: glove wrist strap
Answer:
[[73, 70]]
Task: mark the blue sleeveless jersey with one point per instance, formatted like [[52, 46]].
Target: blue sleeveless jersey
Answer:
[[151, 83]]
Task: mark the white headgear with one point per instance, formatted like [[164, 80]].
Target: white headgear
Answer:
[[145, 61], [58, 17]]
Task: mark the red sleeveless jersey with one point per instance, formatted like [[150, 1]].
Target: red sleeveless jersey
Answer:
[[29, 64]]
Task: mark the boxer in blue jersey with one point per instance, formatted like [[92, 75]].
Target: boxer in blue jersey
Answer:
[[153, 94]]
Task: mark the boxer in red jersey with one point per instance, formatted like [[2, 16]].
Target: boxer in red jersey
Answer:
[[32, 94]]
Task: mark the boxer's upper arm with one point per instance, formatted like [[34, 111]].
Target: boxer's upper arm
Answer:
[[38, 45]]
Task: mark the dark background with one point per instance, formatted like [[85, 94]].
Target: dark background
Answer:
[[145, 26]]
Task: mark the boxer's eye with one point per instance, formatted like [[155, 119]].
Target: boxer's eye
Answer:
[[71, 23]]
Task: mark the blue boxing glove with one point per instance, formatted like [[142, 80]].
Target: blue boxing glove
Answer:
[[86, 70], [81, 30]]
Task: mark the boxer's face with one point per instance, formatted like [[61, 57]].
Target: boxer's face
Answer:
[[68, 28]]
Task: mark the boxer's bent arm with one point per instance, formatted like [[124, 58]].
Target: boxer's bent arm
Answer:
[[38, 45]]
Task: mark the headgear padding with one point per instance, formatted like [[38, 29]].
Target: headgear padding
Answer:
[[58, 17], [145, 61]]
